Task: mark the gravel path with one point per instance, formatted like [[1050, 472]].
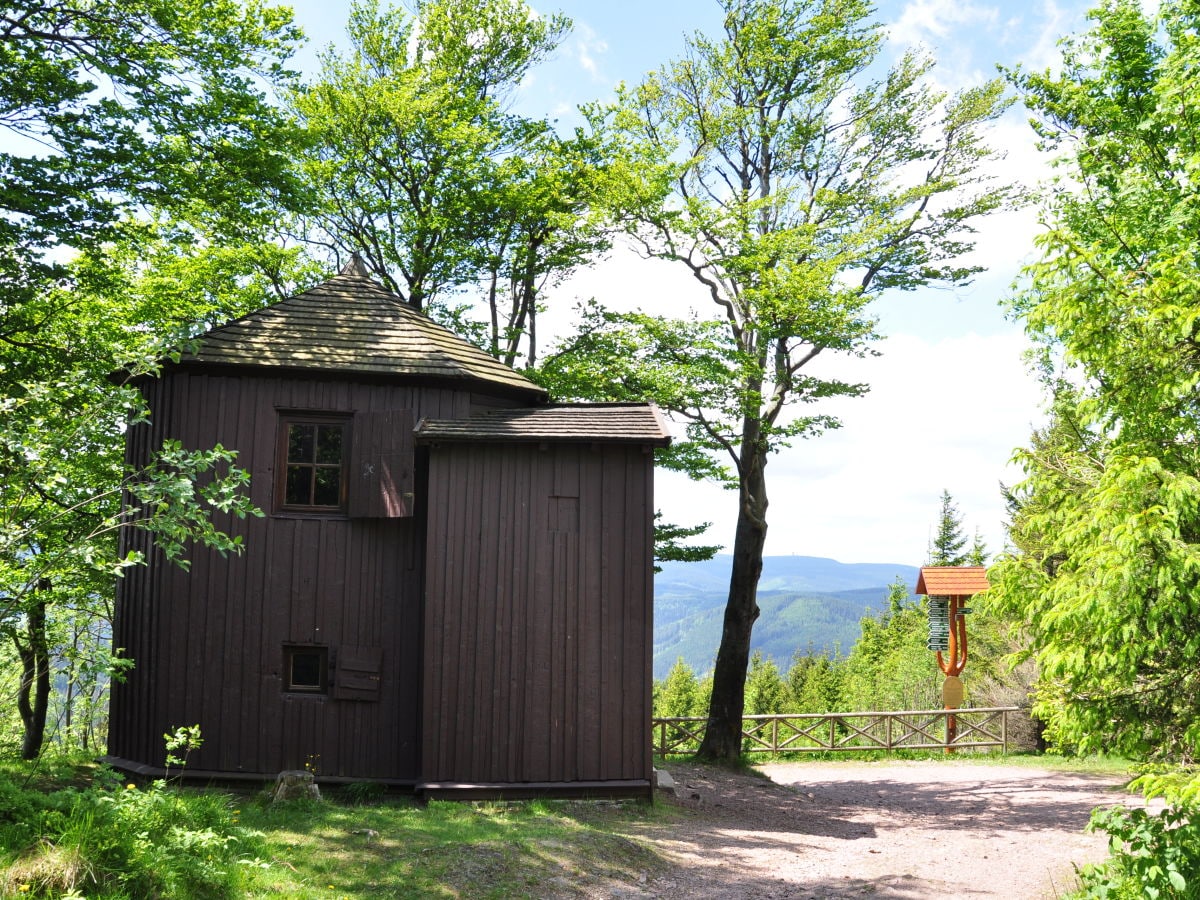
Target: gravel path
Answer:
[[883, 829]]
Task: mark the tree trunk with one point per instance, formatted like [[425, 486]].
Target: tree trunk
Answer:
[[33, 695], [723, 734]]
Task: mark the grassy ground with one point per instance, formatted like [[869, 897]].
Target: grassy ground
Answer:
[[394, 848], [66, 826]]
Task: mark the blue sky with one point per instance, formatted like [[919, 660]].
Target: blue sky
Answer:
[[950, 397]]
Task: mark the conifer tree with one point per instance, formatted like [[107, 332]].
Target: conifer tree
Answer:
[[679, 694], [978, 554], [947, 546], [766, 692]]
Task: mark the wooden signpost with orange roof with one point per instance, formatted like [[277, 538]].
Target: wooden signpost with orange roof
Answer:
[[948, 588]]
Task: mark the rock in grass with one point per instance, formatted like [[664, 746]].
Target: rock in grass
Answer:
[[663, 781]]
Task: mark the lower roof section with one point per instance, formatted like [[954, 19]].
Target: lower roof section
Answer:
[[616, 423]]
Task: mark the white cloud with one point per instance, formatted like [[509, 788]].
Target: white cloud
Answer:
[[587, 47], [945, 414], [952, 32], [1043, 49], [929, 21]]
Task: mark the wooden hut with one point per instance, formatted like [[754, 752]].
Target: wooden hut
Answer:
[[450, 588]]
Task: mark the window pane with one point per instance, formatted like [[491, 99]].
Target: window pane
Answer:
[[301, 439], [329, 444], [306, 669], [299, 485], [328, 488]]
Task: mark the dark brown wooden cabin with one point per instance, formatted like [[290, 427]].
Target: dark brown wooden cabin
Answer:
[[450, 588]]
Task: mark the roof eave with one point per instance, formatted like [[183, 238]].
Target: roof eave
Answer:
[[478, 384], [432, 439]]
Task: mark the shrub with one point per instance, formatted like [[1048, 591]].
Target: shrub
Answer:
[[1153, 855], [128, 842]]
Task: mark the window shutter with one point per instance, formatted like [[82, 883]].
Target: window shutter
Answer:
[[381, 470], [358, 673]]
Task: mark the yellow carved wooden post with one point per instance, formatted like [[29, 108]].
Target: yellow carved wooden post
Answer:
[[947, 588]]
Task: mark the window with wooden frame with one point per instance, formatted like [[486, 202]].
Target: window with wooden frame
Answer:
[[313, 452], [305, 669]]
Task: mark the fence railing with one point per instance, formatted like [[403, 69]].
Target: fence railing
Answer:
[[924, 729]]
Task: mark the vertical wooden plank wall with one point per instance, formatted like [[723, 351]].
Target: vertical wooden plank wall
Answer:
[[538, 614], [208, 644]]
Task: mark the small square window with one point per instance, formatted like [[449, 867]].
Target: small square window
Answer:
[[305, 669], [312, 463]]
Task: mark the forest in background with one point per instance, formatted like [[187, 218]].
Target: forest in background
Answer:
[[887, 665]]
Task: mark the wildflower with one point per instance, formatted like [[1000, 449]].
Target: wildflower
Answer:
[[131, 786], [24, 889]]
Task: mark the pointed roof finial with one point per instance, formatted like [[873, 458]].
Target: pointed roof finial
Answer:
[[356, 267]]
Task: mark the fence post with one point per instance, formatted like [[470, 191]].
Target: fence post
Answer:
[[1004, 731]]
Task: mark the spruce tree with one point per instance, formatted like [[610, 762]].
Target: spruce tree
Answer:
[[947, 546], [978, 554]]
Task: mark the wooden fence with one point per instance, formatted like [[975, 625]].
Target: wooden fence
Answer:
[[924, 729]]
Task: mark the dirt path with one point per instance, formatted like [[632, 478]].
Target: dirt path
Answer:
[[890, 829]]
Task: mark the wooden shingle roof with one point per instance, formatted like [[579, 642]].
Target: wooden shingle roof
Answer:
[[352, 324], [952, 581], [625, 423]]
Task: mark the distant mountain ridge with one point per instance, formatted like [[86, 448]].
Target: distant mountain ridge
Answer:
[[807, 602]]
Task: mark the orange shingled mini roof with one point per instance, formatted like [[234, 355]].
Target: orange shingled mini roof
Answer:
[[952, 581]]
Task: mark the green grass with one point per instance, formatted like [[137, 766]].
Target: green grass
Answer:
[[397, 848], [71, 827], [1102, 765], [1098, 765]]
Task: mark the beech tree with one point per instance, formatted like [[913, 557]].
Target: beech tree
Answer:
[[1105, 574], [795, 187], [418, 166]]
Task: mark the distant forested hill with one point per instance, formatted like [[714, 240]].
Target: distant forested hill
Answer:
[[806, 601]]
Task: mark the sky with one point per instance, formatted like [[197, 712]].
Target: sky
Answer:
[[950, 399]]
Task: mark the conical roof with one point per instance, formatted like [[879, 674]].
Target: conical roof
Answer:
[[352, 324]]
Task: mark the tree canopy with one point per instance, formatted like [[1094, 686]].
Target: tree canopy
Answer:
[[115, 107], [1105, 573], [416, 163]]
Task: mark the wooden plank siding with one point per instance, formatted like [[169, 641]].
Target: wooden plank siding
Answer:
[[208, 644], [538, 616]]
